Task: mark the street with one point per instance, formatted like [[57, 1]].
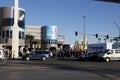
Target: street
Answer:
[[53, 69]]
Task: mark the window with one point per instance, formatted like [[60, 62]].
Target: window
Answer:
[[53, 41], [112, 51], [117, 51], [10, 33], [7, 33], [19, 34], [22, 35], [38, 52], [3, 34]]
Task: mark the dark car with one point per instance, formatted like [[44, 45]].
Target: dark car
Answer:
[[91, 56], [42, 55]]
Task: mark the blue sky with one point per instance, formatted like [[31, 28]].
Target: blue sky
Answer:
[[68, 16]]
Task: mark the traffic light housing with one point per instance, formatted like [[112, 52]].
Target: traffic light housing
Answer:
[[96, 35], [107, 37], [76, 33]]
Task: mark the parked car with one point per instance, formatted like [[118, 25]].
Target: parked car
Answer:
[[38, 54]]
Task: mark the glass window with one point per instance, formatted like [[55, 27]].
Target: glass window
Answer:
[[7, 33], [22, 35], [117, 51], [48, 41], [111, 51], [0, 34], [38, 52], [10, 33], [3, 34], [19, 34]]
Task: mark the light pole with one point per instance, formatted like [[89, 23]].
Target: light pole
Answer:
[[84, 32], [118, 28], [99, 39]]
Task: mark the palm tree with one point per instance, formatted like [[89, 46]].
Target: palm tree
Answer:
[[36, 42], [29, 40]]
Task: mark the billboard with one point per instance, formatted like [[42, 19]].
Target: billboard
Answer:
[[99, 47], [51, 32]]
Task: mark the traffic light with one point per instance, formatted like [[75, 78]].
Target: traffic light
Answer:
[[76, 33], [96, 35], [107, 36]]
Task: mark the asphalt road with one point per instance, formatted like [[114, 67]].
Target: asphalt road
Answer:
[[53, 69]]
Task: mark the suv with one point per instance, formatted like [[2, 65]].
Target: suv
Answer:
[[38, 54], [108, 55]]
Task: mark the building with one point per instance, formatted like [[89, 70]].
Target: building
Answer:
[[49, 36], [40, 33], [6, 26], [60, 39], [33, 30]]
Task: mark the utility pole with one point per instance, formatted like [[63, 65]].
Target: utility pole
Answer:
[[15, 32]]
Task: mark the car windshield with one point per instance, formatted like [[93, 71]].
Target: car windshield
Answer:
[[66, 47], [40, 52], [52, 49], [105, 51], [46, 52]]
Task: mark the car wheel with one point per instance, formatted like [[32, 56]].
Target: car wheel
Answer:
[[107, 59], [27, 58], [43, 58]]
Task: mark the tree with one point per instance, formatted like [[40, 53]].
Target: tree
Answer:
[[77, 45], [36, 42], [29, 40]]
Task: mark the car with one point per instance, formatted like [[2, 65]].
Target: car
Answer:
[[91, 56], [37, 54]]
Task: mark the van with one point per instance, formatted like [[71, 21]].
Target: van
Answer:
[[108, 55]]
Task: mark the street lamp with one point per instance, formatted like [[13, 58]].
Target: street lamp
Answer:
[[118, 28], [108, 20], [99, 39]]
